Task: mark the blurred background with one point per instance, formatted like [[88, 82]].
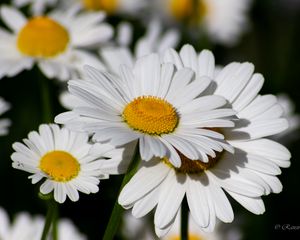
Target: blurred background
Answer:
[[271, 42]]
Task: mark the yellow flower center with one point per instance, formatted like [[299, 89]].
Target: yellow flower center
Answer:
[[189, 166], [191, 237], [191, 11], [42, 37], [60, 166], [151, 115], [108, 6], [181, 9]]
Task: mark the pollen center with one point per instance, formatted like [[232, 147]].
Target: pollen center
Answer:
[[191, 237], [151, 115], [190, 11], [42, 37], [60, 166], [108, 6], [193, 166], [181, 9]]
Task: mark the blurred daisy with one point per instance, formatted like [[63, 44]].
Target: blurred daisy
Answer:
[[4, 123], [222, 20], [26, 227], [114, 56], [62, 157], [289, 112], [195, 233], [153, 103], [55, 42], [110, 6], [155, 40], [37, 7], [245, 174], [134, 228]]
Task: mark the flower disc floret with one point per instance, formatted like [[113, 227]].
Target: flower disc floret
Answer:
[[151, 115], [109, 6], [60, 166], [42, 37]]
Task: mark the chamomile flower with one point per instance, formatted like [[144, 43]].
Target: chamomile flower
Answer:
[[55, 42], [222, 20], [63, 158], [153, 103], [195, 233], [37, 7], [246, 174], [111, 7], [26, 227], [4, 123]]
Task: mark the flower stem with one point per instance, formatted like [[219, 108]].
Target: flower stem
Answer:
[[184, 220], [51, 214], [117, 212], [46, 102]]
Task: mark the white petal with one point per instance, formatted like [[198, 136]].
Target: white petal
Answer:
[[170, 198]]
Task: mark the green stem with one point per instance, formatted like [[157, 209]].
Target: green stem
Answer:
[[52, 208], [46, 102], [54, 222], [184, 220], [117, 212]]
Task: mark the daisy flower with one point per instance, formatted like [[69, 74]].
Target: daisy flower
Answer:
[[153, 103], [196, 233], [4, 123], [245, 174], [26, 227], [111, 7], [55, 42], [63, 158], [222, 20], [114, 56], [37, 7], [134, 228]]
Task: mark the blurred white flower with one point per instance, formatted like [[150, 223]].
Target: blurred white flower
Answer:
[[26, 227], [222, 20], [67, 161], [131, 7], [37, 7], [141, 228], [4, 123], [57, 43]]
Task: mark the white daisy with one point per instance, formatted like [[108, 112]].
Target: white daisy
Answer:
[[134, 228], [114, 56], [154, 103], [59, 50], [63, 158], [246, 174], [110, 6], [37, 7], [194, 232], [222, 20], [4, 123], [26, 227]]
